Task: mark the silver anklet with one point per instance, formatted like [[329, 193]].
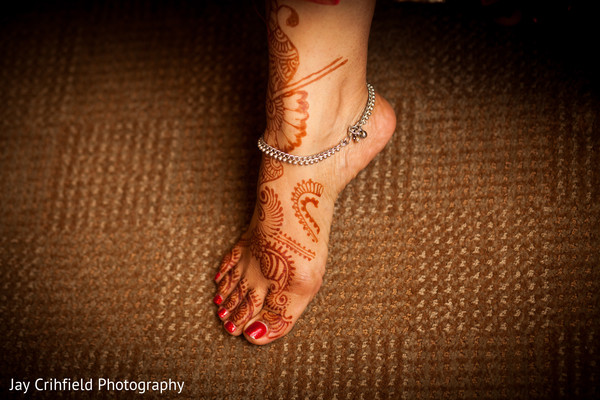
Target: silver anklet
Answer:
[[355, 133]]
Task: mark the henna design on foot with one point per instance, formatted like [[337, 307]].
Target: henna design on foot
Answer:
[[300, 199], [229, 280], [270, 217], [268, 245], [245, 310], [234, 298], [242, 313], [230, 260], [270, 213], [277, 323], [272, 169], [278, 267], [296, 247]]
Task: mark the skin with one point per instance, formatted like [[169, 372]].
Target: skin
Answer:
[[317, 75]]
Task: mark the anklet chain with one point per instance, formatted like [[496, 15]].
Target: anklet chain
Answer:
[[355, 133]]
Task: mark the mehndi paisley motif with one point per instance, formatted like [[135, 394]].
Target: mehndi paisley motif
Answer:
[[300, 199]]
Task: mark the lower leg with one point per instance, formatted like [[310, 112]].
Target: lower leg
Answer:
[[318, 58]]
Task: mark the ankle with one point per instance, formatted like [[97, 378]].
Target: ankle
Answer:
[[312, 120]]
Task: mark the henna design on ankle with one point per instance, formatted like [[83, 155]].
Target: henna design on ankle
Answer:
[[284, 60], [300, 199], [271, 170]]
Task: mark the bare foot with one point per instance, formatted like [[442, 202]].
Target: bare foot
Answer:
[[267, 280], [275, 270]]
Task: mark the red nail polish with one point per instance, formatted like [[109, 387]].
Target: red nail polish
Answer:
[[223, 313], [230, 326], [217, 276], [218, 299], [256, 330]]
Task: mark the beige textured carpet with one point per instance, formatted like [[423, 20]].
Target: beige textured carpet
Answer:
[[464, 261]]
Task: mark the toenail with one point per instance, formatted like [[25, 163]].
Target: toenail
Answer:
[[218, 299], [256, 330], [217, 276], [230, 326], [223, 313]]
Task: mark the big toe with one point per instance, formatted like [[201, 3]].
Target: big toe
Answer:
[[272, 323]]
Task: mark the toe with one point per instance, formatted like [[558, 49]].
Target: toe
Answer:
[[229, 261], [234, 299], [223, 313], [227, 284], [256, 330], [275, 320], [249, 306]]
